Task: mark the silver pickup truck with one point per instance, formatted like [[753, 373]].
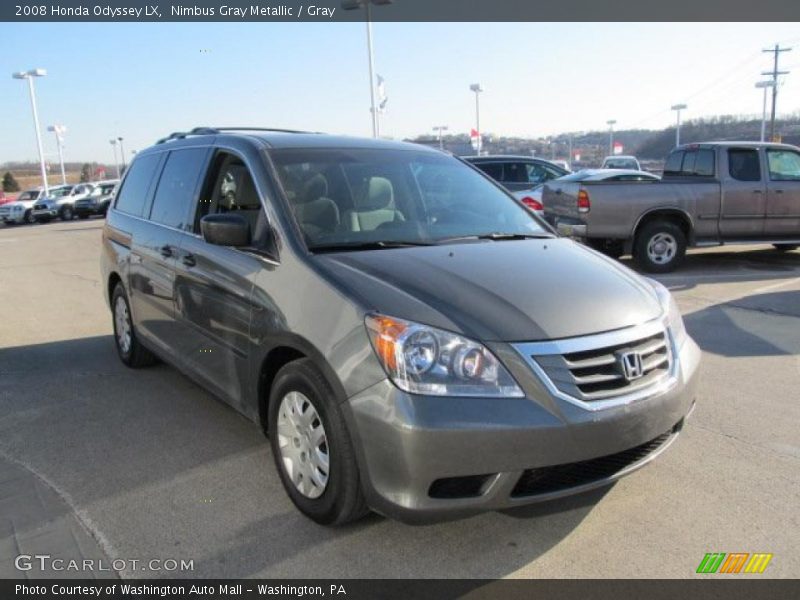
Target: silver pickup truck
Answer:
[[711, 194]]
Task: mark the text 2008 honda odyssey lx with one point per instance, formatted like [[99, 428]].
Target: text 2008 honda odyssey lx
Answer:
[[410, 337]]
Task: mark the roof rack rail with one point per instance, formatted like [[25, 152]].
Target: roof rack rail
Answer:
[[179, 135]]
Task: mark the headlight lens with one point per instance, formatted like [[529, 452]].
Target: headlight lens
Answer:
[[425, 360], [671, 310]]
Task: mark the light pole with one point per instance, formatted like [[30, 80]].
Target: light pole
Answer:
[[60, 130], [356, 5], [611, 123], [764, 85], [122, 154], [116, 162], [477, 88], [440, 129], [678, 108], [29, 75]]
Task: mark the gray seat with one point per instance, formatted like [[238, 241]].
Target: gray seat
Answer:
[[374, 206], [316, 213]]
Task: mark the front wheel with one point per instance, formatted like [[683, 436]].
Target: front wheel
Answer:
[[785, 247], [130, 350], [29, 218], [311, 446], [66, 214], [660, 247]]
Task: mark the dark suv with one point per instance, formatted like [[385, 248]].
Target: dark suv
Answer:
[[410, 337]]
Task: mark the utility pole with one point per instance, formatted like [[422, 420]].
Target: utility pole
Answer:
[[440, 129], [611, 123], [774, 73], [678, 108]]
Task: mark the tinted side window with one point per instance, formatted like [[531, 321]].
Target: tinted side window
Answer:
[[515, 173], [673, 164], [493, 170], [689, 160], [133, 194], [176, 187], [743, 164]]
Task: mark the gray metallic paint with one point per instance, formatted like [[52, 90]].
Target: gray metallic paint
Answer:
[[244, 304]]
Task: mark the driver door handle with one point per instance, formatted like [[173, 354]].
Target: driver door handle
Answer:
[[165, 251]]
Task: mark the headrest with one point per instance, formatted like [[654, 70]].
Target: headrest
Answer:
[[314, 188], [379, 195]]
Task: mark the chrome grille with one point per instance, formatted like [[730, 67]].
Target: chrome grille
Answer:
[[591, 370]]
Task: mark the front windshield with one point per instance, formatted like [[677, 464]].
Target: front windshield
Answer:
[[28, 196], [59, 192], [345, 197]]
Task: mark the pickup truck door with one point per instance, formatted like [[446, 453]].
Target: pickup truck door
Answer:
[[783, 193], [744, 198]]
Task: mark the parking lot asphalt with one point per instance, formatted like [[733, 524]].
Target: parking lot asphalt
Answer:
[[152, 466]]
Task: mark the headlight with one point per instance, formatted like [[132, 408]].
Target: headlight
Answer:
[[672, 312], [424, 360]]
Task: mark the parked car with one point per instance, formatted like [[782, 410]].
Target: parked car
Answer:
[[51, 206], [621, 161], [520, 175], [96, 203], [21, 210], [711, 194], [373, 306], [536, 194]]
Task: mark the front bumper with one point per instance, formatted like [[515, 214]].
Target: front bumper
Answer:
[[426, 458], [13, 217]]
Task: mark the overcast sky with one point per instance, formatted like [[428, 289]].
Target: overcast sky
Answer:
[[145, 80]]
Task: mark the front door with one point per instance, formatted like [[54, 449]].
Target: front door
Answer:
[[783, 194], [214, 289]]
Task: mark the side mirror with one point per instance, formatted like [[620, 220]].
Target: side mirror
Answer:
[[225, 230]]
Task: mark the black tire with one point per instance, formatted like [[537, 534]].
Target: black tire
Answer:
[[342, 500], [651, 233], [136, 355], [28, 217], [785, 247], [83, 216], [67, 214]]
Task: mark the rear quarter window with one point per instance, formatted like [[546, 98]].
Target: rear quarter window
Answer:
[[132, 195], [674, 162]]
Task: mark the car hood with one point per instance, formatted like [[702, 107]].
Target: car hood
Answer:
[[525, 290], [21, 203]]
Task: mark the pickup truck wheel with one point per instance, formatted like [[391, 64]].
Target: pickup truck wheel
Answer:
[[130, 350], [785, 247], [660, 247], [311, 446]]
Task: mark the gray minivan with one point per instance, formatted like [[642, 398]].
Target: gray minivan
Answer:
[[411, 339]]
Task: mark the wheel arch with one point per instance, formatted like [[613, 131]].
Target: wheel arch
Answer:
[[284, 350], [676, 215]]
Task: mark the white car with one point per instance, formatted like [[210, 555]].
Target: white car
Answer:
[[21, 210], [622, 161]]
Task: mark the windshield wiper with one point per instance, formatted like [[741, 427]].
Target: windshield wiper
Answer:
[[379, 245], [499, 237]]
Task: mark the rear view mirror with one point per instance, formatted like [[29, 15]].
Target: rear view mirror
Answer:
[[225, 230]]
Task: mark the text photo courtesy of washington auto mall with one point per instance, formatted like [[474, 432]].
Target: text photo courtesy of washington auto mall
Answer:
[[400, 298]]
